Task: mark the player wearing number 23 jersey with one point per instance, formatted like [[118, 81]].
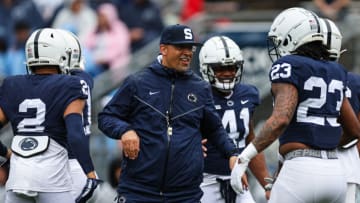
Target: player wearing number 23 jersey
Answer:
[[321, 86], [310, 108]]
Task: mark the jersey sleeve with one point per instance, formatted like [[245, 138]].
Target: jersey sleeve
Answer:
[[77, 89], [285, 71]]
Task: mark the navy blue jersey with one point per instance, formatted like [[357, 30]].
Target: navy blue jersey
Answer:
[[353, 91], [235, 112], [88, 84], [321, 88], [35, 104]]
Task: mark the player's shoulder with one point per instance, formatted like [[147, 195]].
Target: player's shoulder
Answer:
[[14, 78], [245, 89], [83, 75], [353, 79]]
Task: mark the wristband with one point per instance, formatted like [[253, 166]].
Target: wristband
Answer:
[[248, 153]]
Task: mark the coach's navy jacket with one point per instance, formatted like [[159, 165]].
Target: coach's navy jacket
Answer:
[[166, 163]]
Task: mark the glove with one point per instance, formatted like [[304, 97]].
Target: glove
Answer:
[[236, 174], [88, 190]]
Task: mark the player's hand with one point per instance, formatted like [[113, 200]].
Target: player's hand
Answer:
[[88, 190], [203, 142], [131, 144], [237, 174]]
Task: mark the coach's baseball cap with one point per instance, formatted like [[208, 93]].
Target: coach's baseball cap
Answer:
[[178, 34]]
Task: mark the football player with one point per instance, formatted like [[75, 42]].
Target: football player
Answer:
[[75, 66], [309, 110], [347, 151], [45, 111], [221, 64]]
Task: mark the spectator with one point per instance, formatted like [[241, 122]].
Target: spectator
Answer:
[[16, 53], [3, 50], [108, 43], [190, 9], [6, 23], [76, 16], [48, 9], [143, 17], [332, 9], [28, 12]]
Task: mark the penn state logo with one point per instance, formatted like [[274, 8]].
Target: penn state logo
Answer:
[[192, 98], [28, 144], [230, 103], [121, 199]]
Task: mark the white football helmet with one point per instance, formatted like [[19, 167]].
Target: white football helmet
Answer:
[[332, 38], [292, 28], [46, 47], [220, 52], [73, 47]]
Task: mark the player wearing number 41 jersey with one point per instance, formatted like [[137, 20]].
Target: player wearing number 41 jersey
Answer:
[[221, 64], [45, 111], [309, 110]]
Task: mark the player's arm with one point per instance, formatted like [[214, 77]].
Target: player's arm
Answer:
[[348, 119], [257, 165], [76, 136], [285, 102], [4, 151]]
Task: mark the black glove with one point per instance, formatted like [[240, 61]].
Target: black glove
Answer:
[[88, 190]]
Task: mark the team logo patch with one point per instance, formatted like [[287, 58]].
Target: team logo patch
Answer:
[[28, 143], [28, 146], [192, 98], [121, 199], [230, 103]]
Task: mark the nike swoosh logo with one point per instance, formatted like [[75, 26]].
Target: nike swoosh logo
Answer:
[[152, 93], [244, 101]]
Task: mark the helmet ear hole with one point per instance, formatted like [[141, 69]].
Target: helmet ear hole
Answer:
[[286, 42]]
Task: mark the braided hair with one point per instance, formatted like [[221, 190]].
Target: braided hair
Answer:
[[316, 50]]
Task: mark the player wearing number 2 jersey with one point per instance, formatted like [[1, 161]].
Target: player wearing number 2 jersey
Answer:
[[221, 64], [309, 110], [76, 67], [44, 109]]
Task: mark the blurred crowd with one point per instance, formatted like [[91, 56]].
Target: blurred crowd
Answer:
[[110, 31]]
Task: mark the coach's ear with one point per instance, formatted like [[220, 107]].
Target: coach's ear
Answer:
[[163, 49]]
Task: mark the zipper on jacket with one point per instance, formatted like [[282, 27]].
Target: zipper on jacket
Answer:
[[169, 132]]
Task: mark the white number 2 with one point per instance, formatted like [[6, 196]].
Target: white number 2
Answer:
[[304, 106], [32, 124]]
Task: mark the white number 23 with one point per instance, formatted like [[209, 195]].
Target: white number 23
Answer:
[[280, 71]]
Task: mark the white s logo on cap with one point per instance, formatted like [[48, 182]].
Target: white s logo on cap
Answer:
[[188, 33]]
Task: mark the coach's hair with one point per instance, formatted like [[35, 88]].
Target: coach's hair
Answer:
[[316, 50]]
